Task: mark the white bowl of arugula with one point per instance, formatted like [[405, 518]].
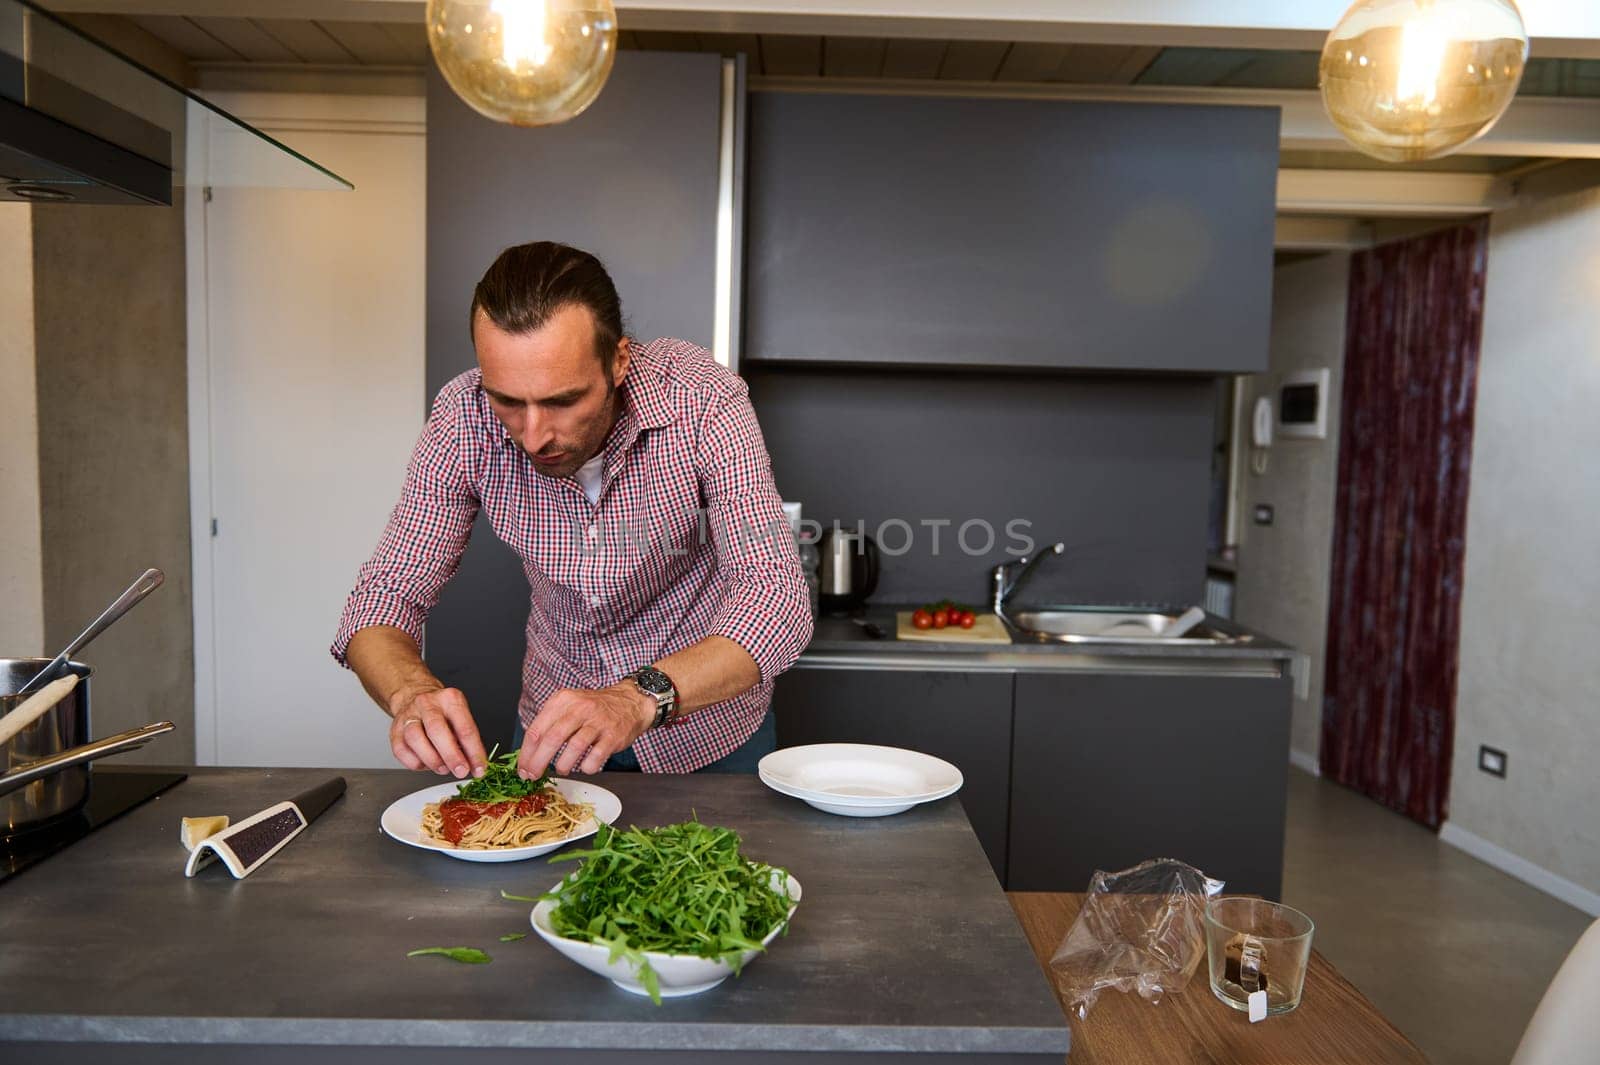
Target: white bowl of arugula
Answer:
[[666, 912]]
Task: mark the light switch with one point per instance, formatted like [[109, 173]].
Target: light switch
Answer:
[[1492, 761]]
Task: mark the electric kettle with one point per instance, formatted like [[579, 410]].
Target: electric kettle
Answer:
[[849, 569]]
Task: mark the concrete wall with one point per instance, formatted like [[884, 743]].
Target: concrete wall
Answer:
[[110, 341], [1530, 674], [93, 445], [1282, 584], [21, 590]]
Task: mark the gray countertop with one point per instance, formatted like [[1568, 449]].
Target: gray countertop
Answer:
[[904, 942], [841, 643]]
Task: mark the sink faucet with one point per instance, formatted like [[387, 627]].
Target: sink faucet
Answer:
[[1005, 584]]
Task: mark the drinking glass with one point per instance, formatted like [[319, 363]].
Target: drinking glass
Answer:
[[1255, 945]]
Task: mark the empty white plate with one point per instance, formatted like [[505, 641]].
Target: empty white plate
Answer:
[[858, 779]]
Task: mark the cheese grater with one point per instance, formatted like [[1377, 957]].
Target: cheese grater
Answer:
[[246, 846]]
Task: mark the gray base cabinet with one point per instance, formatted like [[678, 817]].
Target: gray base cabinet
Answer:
[[1067, 773], [964, 718], [1110, 770]]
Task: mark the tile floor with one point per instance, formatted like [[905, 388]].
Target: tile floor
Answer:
[[1453, 951]]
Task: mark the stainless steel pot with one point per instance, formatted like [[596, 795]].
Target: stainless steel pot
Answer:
[[46, 765]]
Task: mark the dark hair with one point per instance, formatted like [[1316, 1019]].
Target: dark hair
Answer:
[[530, 282]]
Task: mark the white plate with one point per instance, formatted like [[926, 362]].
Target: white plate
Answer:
[[678, 974], [859, 780], [403, 821]]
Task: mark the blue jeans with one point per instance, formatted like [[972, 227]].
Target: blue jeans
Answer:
[[762, 742], [742, 759]]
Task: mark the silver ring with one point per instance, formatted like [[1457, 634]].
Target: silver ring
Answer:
[[409, 722]]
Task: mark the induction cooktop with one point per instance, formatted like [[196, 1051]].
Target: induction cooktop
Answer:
[[113, 791]]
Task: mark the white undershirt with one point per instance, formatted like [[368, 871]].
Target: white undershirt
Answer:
[[589, 475]]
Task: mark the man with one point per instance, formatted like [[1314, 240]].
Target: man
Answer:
[[633, 482]]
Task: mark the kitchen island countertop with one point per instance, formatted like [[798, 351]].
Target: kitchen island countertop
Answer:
[[904, 943]]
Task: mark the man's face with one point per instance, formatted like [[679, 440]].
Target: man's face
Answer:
[[548, 388]]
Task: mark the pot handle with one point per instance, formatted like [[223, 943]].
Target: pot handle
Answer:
[[122, 741], [147, 582]]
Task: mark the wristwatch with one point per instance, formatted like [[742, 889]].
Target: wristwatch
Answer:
[[659, 687]]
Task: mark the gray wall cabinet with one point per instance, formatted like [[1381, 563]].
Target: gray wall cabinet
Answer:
[[1110, 770], [964, 718], [634, 179], [1017, 233]]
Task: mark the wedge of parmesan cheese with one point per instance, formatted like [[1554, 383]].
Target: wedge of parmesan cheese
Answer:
[[196, 829]]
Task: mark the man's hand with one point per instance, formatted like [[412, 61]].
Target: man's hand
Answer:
[[432, 727], [600, 722]]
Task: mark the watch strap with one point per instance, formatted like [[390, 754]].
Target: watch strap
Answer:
[[666, 702]]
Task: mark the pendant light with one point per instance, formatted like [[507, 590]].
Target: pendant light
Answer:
[[526, 62], [1416, 79]]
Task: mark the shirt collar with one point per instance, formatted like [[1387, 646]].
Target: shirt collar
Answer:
[[644, 391], [644, 406]]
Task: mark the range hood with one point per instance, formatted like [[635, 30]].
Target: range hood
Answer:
[[82, 123]]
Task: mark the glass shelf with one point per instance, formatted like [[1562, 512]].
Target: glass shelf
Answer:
[[59, 75]]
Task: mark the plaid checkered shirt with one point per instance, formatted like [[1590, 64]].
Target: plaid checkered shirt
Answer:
[[687, 540]]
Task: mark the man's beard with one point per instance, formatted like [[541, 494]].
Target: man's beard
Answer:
[[587, 448]]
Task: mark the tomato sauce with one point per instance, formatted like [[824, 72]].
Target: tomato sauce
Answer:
[[457, 815]]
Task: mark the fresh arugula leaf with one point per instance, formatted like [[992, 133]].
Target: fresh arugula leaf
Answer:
[[679, 889], [518, 898], [469, 955], [500, 782], [512, 937]]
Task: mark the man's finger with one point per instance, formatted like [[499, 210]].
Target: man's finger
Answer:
[[402, 753], [595, 760], [544, 739], [539, 750], [454, 707], [444, 741], [416, 737], [577, 746]]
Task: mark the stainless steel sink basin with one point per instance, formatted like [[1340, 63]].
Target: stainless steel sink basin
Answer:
[[1113, 626]]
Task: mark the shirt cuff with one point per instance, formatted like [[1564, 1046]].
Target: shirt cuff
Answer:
[[365, 611], [770, 620]]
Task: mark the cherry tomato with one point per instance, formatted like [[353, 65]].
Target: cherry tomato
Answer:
[[921, 619], [941, 618], [968, 619]]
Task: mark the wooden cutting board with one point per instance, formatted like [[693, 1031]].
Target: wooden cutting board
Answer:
[[987, 629]]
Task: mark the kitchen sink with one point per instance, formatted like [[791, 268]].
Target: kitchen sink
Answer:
[[1114, 626]]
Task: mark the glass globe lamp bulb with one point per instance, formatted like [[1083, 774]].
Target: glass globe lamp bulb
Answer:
[[1405, 80], [526, 62]]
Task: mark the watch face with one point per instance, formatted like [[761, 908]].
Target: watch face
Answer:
[[654, 681]]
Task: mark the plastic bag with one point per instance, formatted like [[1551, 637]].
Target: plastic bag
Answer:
[[1141, 930]]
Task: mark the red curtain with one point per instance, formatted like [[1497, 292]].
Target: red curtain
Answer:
[[1413, 328]]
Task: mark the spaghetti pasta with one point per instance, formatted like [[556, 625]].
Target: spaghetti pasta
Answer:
[[500, 810], [540, 818]]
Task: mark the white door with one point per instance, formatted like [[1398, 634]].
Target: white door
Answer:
[[314, 338]]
